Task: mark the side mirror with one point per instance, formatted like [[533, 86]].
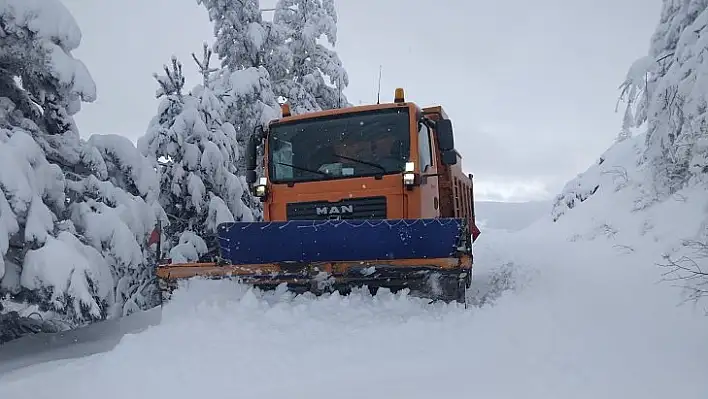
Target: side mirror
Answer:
[[449, 157], [251, 149], [446, 140]]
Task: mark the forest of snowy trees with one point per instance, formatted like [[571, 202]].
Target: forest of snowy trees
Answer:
[[79, 217]]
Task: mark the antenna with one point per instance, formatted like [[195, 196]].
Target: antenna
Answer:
[[378, 95]]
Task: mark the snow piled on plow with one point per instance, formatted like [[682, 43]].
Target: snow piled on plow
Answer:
[[568, 325]]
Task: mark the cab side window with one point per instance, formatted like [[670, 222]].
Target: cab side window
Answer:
[[424, 148]]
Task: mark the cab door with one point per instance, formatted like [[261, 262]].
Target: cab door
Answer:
[[430, 201]]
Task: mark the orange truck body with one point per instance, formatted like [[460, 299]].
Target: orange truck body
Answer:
[[442, 190]]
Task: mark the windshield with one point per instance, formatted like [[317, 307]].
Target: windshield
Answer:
[[352, 145]]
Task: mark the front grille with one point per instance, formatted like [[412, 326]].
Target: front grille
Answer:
[[350, 208]]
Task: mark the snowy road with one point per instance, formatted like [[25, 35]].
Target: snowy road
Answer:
[[95, 338], [569, 332]]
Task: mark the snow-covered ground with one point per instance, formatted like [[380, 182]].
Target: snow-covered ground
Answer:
[[586, 316], [580, 330], [79, 342]]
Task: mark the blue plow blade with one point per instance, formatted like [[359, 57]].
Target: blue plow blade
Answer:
[[339, 240]]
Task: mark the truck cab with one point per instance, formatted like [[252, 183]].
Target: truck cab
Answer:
[[383, 161]]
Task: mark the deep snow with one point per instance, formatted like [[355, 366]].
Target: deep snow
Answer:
[[579, 325], [587, 316]]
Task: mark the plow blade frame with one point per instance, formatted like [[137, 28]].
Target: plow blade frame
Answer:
[[322, 256]]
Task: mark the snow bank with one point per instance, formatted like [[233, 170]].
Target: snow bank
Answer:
[[619, 204], [614, 170], [580, 326]]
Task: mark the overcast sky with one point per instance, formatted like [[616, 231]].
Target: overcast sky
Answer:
[[530, 86]]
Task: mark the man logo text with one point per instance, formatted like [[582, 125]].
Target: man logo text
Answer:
[[335, 210]]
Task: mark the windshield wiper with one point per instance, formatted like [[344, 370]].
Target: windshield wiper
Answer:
[[305, 169], [375, 165]]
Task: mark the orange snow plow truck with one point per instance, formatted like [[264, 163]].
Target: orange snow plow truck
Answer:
[[369, 196]]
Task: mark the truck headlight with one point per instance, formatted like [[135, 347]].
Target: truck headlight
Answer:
[[409, 178], [260, 187]]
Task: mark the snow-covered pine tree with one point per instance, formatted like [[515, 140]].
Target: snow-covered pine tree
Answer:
[[298, 66], [73, 242], [666, 90], [239, 30], [134, 195], [249, 103], [249, 99], [245, 43], [197, 152], [302, 80]]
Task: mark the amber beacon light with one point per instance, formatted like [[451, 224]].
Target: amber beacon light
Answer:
[[398, 96]]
